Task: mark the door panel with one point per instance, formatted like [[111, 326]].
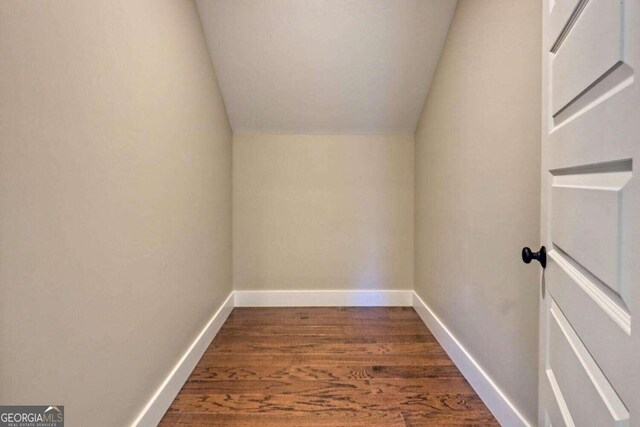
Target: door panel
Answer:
[[585, 207], [589, 396], [560, 14], [588, 47], [590, 297], [556, 412], [600, 327]]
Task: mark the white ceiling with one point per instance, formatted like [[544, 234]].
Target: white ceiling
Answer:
[[325, 66]]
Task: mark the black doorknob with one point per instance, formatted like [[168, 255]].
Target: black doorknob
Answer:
[[540, 256]]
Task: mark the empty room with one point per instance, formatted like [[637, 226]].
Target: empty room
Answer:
[[315, 213]]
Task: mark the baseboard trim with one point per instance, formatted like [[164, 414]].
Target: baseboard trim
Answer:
[[497, 402], [155, 409], [361, 298]]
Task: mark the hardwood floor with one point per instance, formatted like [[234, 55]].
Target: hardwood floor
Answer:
[[326, 366]]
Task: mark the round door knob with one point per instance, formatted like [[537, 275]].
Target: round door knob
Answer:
[[540, 256]]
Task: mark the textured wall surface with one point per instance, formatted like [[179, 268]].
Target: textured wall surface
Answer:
[[322, 212], [115, 201], [478, 193]]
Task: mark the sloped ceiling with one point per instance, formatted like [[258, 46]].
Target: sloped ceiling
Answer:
[[325, 66]]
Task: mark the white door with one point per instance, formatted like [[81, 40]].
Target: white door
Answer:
[[590, 293]]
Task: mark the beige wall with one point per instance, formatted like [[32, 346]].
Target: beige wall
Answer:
[[477, 190], [322, 212], [115, 201]]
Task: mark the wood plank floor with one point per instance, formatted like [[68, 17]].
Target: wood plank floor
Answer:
[[326, 366]]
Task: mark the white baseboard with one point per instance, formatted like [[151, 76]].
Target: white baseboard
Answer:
[[383, 298], [166, 393], [497, 402]]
